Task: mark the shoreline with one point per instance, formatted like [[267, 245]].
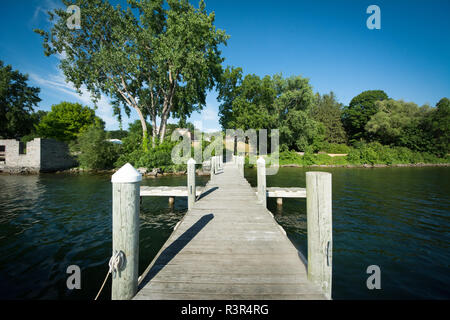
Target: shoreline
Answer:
[[200, 172], [399, 165]]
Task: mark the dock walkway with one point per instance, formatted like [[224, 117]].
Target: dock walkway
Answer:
[[228, 246]]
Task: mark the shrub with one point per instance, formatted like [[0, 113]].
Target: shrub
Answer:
[[95, 152], [158, 157], [335, 148], [133, 158], [290, 157]]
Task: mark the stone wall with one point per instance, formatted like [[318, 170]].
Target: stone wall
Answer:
[[41, 155], [30, 160], [55, 156]]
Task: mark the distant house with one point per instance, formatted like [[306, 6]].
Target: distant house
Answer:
[[38, 155], [116, 141]]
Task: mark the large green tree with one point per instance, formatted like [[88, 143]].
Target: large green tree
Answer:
[[17, 99], [327, 110], [67, 120], [393, 117], [438, 124], [252, 102], [247, 103], [295, 100], [156, 57], [356, 115]]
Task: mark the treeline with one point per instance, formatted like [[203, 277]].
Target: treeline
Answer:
[[372, 129], [311, 122]]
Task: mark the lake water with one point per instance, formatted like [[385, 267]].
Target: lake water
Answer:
[[396, 218]]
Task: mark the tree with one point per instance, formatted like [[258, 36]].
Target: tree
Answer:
[[16, 103], [66, 121], [439, 127], [356, 115], [269, 103], [159, 59], [133, 140], [116, 134], [328, 111], [247, 103], [95, 152], [393, 117], [299, 131]]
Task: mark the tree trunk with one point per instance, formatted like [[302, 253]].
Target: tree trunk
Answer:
[[154, 131], [164, 116], [162, 131], [144, 129]]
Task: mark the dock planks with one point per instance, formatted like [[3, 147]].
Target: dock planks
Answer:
[[228, 246]]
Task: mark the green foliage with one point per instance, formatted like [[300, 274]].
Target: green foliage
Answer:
[[66, 121], [270, 102], [327, 110], [116, 134], [364, 153], [246, 103], [336, 148], [389, 123], [157, 57], [299, 131], [16, 103], [440, 127], [375, 153], [158, 157], [95, 152], [358, 113], [423, 129]]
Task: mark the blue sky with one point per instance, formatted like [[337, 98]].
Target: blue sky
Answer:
[[325, 41]]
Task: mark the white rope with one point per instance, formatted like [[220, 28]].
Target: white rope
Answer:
[[115, 264]]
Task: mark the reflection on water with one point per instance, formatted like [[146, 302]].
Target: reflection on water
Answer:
[[397, 218]]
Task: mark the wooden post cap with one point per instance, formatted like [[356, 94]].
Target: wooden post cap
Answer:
[[126, 174]]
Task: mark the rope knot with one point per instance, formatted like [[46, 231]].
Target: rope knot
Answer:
[[116, 262]]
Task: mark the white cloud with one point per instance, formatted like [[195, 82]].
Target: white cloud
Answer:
[[211, 130], [104, 109], [209, 114], [41, 11]]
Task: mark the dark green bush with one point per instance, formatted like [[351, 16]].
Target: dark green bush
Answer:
[[158, 157], [94, 151], [336, 148]]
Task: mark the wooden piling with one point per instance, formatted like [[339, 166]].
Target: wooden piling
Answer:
[[240, 162], [191, 182], [319, 229], [279, 202], [212, 168], [125, 227], [261, 180]]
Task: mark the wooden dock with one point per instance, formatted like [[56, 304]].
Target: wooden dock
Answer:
[[228, 246]]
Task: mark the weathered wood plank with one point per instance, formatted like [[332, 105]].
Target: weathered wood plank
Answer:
[[228, 246], [319, 221]]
